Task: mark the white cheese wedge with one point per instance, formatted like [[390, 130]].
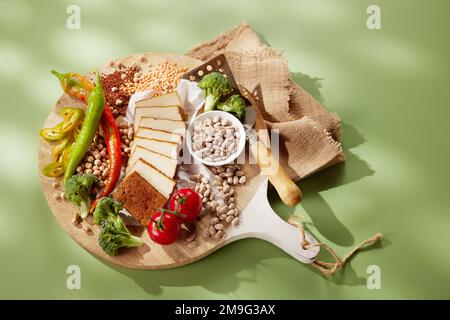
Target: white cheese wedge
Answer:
[[170, 99], [159, 135], [171, 126], [166, 165], [169, 113], [168, 149], [156, 178]]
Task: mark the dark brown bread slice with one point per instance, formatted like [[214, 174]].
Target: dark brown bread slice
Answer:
[[139, 197]]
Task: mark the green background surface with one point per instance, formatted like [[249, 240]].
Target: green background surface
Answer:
[[389, 86]]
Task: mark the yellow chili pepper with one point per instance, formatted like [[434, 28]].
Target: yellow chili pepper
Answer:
[[52, 134], [66, 156], [72, 118], [59, 148], [54, 169]]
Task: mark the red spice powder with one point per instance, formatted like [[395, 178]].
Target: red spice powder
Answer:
[[117, 98]]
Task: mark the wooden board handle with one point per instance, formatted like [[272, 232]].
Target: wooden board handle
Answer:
[[288, 191], [258, 220]]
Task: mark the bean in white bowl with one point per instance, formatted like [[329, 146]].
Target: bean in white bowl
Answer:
[[215, 139]]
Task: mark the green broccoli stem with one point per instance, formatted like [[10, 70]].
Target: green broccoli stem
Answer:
[[84, 207], [132, 241], [210, 102]]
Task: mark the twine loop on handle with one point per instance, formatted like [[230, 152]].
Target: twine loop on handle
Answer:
[[330, 268]]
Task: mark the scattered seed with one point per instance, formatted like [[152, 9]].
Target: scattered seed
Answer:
[[87, 230], [191, 237], [219, 235], [240, 173], [205, 180], [218, 226], [192, 244], [220, 169]]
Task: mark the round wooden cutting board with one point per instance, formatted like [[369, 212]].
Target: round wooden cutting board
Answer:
[[257, 218]]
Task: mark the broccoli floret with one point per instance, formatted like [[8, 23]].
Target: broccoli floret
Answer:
[[114, 234], [235, 105], [214, 85], [78, 190], [106, 209], [112, 239]]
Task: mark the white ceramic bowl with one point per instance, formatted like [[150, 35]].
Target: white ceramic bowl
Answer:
[[223, 115]]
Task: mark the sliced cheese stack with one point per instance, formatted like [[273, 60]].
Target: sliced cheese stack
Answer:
[[163, 107], [160, 129]]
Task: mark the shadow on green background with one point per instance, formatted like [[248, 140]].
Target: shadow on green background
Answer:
[[388, 86]]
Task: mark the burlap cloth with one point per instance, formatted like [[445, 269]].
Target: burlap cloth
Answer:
[[309, 133]]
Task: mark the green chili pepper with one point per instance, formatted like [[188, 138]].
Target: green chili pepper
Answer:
[[72, 117], [54, 169], [52, 134], [96, 104]]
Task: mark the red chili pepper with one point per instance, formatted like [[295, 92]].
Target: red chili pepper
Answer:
[[112, 138], [79, 87]]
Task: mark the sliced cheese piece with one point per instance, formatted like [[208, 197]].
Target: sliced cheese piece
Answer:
[[169, 113], [156, 178], [159, 135], [171, 126], [166, 165], [170, 99], [168, 149], [167, 100]]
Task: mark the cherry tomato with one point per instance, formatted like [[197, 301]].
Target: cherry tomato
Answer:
[[166, 232], [187, 203]]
